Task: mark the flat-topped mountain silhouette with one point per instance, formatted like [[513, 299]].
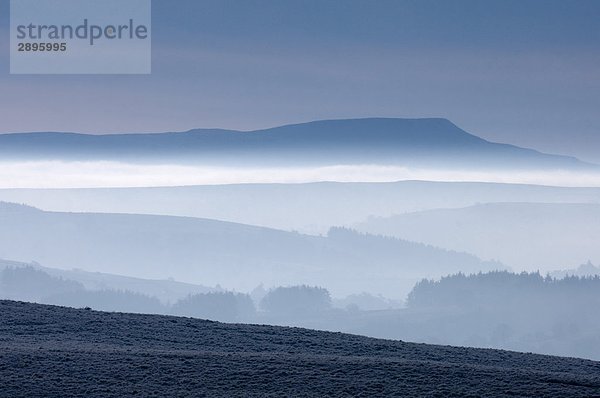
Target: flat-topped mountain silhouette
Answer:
[[431, 142]]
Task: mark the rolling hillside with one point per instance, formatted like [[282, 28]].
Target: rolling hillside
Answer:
[[167, 291], [310, 208], [210, 252], [544, 236], [54, 351]]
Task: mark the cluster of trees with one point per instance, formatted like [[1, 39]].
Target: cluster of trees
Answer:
[[505, 289], [30, 284], [294, 302], [523, 312], [517, 311], [412, 254]]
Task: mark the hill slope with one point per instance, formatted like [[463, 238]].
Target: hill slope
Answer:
[[528, 235], [211, 252], [416, 142], [313, 207], [54, 351], [167, 291]]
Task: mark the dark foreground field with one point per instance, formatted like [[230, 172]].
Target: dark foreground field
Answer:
[[50, 351]]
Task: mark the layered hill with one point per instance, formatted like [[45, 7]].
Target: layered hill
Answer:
[[211, 252], [408, 142], [312, 208], [167, 291], [524, 235], [54, 351]]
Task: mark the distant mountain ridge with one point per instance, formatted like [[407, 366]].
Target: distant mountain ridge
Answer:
[[431, 142]]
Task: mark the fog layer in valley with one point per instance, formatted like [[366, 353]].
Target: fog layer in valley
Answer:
[[88, 174]]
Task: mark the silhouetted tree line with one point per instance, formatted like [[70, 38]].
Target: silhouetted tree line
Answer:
[[296, 301], [30, 284], [427, 256], [282, 303], [505, 289], [34, 285]]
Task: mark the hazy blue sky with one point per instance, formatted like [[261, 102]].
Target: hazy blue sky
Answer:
[[525, 72]]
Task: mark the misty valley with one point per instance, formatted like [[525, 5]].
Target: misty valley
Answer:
[[299, 198], [518, 311], [475, 268]]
